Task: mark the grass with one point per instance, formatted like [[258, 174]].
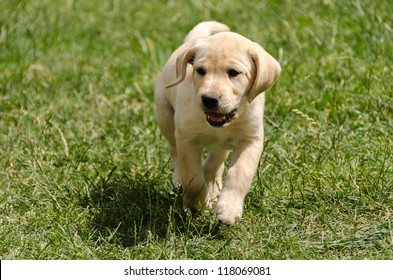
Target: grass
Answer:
[[85, 174]]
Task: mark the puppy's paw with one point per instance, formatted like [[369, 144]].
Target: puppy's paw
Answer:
[[212, 201], [229, 209], [196, 200]]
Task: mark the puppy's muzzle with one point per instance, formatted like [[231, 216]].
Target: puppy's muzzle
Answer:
[[209, 102], [214, 115]]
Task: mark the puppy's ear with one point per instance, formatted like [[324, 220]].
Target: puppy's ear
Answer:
[[266, 71], [182, 60]]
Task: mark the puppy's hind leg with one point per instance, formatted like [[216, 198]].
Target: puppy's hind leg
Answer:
[[166, 123]]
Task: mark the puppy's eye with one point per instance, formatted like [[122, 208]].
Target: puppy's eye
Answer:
[[201, 71], [233, 73]]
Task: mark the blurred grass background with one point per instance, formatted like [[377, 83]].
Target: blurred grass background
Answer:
[[85, 174]]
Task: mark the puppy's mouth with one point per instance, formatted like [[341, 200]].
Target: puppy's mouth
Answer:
[[218, 120]]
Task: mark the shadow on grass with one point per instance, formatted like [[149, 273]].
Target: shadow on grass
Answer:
[[136, 210]]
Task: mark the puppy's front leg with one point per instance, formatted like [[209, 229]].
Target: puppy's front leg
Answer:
[[190, 173], [213, 169], [243, 166]]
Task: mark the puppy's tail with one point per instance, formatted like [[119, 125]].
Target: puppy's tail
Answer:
[[205, 29]]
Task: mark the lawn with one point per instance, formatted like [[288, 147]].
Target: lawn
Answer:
[[85, 173]]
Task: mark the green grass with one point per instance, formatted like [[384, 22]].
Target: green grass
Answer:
[[85, 174]]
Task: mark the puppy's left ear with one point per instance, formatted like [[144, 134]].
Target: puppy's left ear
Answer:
[[266, 71]]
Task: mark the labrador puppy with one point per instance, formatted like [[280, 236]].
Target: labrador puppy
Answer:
[[210, 96]]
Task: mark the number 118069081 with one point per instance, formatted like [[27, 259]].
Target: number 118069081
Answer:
[[230, 270]]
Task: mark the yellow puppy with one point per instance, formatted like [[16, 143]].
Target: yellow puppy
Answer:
[[210, 95]]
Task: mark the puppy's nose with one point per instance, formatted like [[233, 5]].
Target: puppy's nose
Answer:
[[210, 102]]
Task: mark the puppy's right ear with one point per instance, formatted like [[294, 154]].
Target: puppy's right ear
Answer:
[[182, 60]]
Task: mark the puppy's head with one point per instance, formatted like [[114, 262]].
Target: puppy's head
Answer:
[[228, 71]]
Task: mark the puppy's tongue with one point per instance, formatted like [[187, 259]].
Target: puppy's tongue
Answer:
[[215, 117], [217, 120]]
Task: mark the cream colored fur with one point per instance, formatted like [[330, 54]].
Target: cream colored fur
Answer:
[[210, 95]]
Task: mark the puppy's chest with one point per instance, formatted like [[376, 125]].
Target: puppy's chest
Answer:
[[219, 140]]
